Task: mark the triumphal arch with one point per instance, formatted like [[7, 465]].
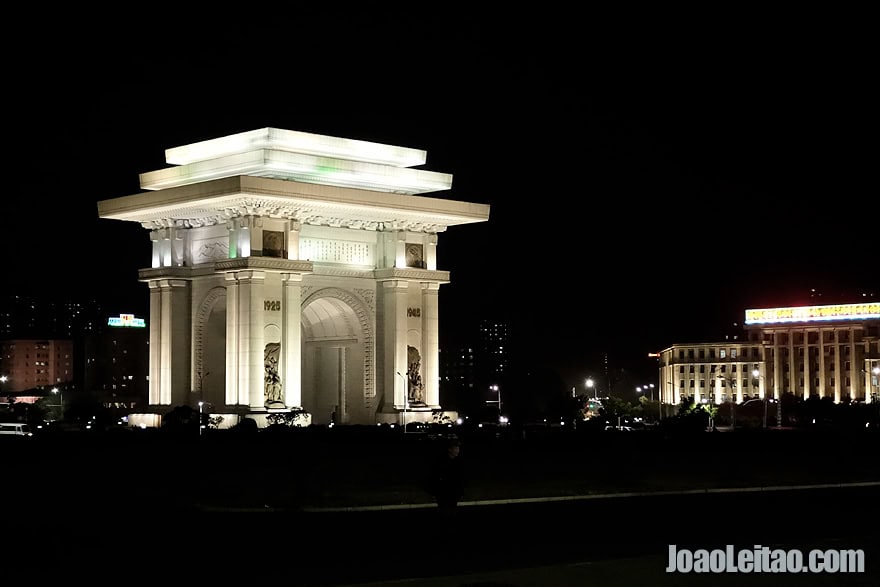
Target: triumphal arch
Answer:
[[294, 271]]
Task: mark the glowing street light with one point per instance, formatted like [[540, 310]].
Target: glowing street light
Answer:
[[497, 390], [60, 393], [590, 385]]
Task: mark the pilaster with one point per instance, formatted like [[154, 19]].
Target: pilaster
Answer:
[[291, 338], [170, 331], [394, 342], [431, 342]]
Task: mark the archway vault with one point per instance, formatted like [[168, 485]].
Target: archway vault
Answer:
[[336, 315]]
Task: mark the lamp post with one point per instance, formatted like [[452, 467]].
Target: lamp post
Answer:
[[730, 386], [405, 399], [590, 385], [495, 388], [876, 372], [60, 393], [757, 375]]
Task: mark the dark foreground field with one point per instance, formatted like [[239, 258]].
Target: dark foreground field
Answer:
[[346, 506], [323, 468]]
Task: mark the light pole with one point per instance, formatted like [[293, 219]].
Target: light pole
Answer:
[[201, 424], [405, 400], [590, 385], [876, 372], [57, 391], [496, 389], [731, 384], [645, 388], [757, 375]]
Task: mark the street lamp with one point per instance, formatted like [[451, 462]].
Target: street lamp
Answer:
[[590, 383], [757, 375], [876, 372], [496, 389], [201, 420], [57, 391], [730, 385], [405, 399]]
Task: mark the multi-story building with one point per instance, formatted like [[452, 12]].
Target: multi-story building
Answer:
[[117, 363], [35, 364], [494, 354], [823, 351]]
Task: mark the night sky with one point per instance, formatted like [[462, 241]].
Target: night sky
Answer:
[[649, 178]]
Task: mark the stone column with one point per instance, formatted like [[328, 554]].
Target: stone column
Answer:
[[807, 383], [854, 367], [155, 394], [394, 341], [837, 370], [293, 240], [232, 342], [431, 252], [777, 366], [792, 366], [291, 339], [170, 338], [741, 377], [400, 249], [431, 342], [823, 375], [251, 353]]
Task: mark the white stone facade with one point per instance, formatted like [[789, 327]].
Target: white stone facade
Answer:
[[294, 286]]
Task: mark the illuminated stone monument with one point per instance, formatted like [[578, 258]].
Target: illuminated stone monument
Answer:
[[293, 270]]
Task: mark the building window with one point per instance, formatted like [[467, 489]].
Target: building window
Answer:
[[732, 353], [722, 354]]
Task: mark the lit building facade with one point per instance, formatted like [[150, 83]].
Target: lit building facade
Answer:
[[822, 351], [294, 271], [35, 364]]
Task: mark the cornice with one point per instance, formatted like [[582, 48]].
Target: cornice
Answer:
[[268, 263], [411, 273]]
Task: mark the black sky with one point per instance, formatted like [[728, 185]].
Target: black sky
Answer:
[[650, 176]]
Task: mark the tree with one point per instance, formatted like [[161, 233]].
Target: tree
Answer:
[[614, 408]]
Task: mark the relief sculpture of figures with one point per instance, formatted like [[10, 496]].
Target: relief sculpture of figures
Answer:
[[415, 389], [272, 388]]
